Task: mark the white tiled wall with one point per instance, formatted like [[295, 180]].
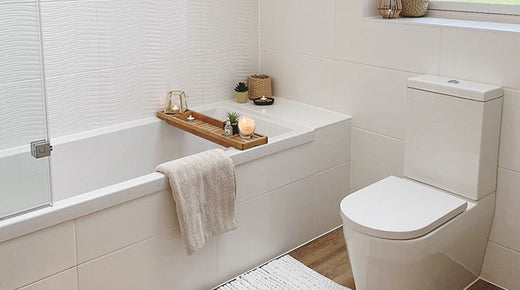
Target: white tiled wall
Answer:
[[359, 67], [20, 70], [111, 61]]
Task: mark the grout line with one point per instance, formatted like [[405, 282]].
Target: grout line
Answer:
[[517, 252], [378, 134], [117, 250], [76, 252], [293, 182], [46, 277], [509, 170], [341, 60]]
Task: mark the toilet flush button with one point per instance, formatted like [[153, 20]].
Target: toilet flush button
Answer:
[[453, 82]]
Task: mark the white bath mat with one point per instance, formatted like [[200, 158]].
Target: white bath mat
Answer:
[[283, 273]]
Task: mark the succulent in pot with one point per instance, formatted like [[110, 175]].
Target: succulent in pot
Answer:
[[241, 92], [232, 117]]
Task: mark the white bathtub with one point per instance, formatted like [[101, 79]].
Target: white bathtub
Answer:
[[112, 209]]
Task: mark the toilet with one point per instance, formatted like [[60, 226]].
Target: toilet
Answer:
[[429, 230]]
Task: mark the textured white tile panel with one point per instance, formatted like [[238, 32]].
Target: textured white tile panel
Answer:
[[133, 92], [506, 229], [32, 257], [221, 72], [375, 97], [228, 25], [22, 112], [66, 280], [157, 263], [75, 103], [19, 42], [123, 225], [303, 26], [70, 39], [374, 157], [489, 57], [509, 156], [501, 266], [136, 31]]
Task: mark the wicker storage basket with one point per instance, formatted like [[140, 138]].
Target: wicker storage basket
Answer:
[[259, 86], [414, 8]]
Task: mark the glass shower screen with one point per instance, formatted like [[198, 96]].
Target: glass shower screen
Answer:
[[24, 179]]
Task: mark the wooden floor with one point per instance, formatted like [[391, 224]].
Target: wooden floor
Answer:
[[328, 256]]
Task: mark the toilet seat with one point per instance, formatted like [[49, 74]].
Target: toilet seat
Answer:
[[397, 208]]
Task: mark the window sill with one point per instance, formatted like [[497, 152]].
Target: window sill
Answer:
[[452, 23]]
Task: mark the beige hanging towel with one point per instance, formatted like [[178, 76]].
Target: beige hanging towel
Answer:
[[204, 189]]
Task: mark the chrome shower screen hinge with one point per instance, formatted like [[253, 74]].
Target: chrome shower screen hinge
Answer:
[[41, 148]]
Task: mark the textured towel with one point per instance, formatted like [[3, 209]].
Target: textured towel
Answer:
[[203, 187]]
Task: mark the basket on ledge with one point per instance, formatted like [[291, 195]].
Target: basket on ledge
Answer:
[[259, 86], [414, 8]]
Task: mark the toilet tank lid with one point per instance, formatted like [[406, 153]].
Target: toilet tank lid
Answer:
[[456, 87], [397, 208]]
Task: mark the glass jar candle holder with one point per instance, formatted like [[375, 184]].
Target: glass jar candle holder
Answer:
[[246, 127], [389, 8]]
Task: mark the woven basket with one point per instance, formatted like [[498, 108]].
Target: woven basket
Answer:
[[414, 8], [259, 86]]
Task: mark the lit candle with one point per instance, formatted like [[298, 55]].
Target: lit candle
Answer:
[[246, 127], [263, 98], [176, 109]]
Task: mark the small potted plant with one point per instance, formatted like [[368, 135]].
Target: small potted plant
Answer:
[[241, 92], [233, 119]]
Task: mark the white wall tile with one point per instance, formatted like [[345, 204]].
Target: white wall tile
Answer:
[[19, 42], [253, 232], [70, 39], [375, 97], [156, 263], [304, 78], [221, 72], [134, 92], [490, 57], [374, 157], [509, 156], [75, 103], [329, 188], [402, 47], [136, 31], [506, 229], [66, 280], [128, 223], [228, 25], [299, 26], [22, 118], [501, 266], [40, 254]]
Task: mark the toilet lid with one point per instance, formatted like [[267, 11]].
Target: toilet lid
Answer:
[[397, 208]]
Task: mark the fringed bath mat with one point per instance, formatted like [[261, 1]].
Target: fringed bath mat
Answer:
[[285, 273]]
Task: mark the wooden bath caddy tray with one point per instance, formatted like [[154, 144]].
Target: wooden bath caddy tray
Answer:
[[210, 129]]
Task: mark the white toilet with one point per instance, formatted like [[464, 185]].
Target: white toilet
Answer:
[[430, 229]]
